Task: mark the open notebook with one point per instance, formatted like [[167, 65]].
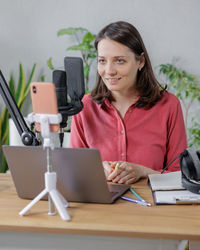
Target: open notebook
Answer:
[[167, 189], [80, 174], [168, 181]]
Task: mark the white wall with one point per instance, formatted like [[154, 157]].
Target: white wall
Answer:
[[28, 29]]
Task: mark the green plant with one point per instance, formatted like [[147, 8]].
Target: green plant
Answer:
[[84, 40], [186, 87], [194, 134], [19, 93]]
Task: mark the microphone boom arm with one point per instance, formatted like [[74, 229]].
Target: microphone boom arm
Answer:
[[27, 136]]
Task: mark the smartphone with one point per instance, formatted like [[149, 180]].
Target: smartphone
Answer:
[[44, 101]]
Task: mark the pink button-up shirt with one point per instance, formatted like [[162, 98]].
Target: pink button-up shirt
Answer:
[[149, 137]]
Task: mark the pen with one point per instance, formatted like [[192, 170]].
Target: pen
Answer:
[[143, 203], [138, 196], [117, 165]]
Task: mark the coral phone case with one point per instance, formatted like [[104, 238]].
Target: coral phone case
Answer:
[[44, 101]]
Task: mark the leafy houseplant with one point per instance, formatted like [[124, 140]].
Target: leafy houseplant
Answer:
[[84, 40], [20, 93], [186, 87]]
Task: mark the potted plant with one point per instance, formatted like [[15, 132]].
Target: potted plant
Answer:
[[186, 87], [20, 92], [84, 40], [84, 43]]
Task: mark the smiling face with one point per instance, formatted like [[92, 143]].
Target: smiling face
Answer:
[[117, 66]]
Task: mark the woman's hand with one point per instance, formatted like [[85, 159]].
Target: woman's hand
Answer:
[[109, 167], [126, 172]]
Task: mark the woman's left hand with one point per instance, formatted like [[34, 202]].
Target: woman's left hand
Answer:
[[128, 173]]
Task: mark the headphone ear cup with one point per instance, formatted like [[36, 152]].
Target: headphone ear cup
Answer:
[[192, 187], [188, 167], [194, 164], [185, 164], [189, 174]]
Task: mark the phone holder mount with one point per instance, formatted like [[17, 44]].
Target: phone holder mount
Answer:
[[54, 197]]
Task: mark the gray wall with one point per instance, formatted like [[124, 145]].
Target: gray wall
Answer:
[[28, 30]]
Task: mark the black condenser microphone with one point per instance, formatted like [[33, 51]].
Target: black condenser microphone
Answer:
[[70, 81], [75, 82], [60, 81]]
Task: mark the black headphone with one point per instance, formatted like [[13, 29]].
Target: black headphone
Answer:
[[190, 168]]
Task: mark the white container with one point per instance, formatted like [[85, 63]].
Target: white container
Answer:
[[14, 137]]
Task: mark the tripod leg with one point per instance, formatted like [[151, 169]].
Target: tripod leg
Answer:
[[55, 195], [33, 202], [64, 201]]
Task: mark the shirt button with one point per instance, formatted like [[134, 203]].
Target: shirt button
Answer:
[[122, 155], [122, 132]]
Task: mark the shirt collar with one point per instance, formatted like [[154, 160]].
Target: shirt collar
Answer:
[[107, 103]]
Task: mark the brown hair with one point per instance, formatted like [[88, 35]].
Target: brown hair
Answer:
[[149, 89]]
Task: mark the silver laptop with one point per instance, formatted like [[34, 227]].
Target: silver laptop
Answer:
[[80, 174]]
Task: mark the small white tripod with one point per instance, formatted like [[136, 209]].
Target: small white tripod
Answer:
[[54, 197]]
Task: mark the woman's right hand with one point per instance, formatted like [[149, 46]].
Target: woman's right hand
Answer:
[[109, 167]]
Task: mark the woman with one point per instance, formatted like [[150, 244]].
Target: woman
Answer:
[[135, 123]]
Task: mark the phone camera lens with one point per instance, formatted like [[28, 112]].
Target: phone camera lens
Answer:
[[34, 89]]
